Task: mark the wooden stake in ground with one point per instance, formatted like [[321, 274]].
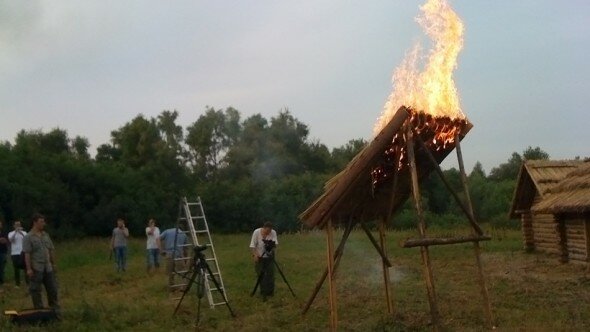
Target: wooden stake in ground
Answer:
[[477, 250], [422, 230], [386, 279], [337, 256], [331, 279]]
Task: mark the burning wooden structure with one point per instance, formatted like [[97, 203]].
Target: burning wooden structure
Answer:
[[552, 200], [375, 184]]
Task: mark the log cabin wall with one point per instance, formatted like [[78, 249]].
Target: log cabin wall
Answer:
[[545, 232], [577, 241], [527, 231]]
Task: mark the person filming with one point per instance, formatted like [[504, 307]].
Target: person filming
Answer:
[[263, 247]]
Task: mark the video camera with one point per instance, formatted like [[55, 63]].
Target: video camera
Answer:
[[200, 248], [269, 245], [199, 251]]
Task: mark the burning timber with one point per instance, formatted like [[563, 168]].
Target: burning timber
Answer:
[[367, 189]]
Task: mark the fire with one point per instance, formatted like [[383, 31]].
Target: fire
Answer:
[[433, 90]]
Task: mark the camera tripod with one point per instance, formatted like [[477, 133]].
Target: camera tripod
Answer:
[[200, 269], [263, 272]]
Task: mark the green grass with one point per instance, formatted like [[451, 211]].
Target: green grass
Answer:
[[528, 291]]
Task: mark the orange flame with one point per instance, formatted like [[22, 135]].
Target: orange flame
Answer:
[[433, 90]]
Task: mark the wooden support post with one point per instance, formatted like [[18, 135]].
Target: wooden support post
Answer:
[[439, 171], [331, 281], [376, 245], [477, 250], [337, 256], [386, 279], [428, 276], [394, 182]]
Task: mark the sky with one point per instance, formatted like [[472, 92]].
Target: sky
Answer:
[[90, 66]]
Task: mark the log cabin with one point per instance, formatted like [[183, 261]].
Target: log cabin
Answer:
[[549, 201]]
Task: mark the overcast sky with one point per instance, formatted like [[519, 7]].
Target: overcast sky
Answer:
[[91, 66]]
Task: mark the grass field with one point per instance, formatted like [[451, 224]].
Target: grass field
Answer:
[[529, 292]]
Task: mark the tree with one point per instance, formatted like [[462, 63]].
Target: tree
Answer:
[[343, 155], [171, 133], [79, 147], [477, 171], [536, 153], [508, 170], [209, 139]]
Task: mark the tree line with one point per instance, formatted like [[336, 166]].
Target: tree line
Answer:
[[245, 170]]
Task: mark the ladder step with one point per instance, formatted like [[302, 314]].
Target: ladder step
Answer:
[[209, 259], [200, 232], [177, 285], [219, 303]]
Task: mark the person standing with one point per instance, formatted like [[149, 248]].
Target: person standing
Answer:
[[41, 264], [263, 244], [153, 246], [174, 242], [16, 247], [3, 251], [119, 244]]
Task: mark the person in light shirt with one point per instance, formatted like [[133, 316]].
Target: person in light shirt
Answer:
[[263, 245], [16, 247], [153, 246]]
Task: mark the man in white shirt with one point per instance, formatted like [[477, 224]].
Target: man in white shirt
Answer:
[[16, 247], [263, 245], [153, 246]]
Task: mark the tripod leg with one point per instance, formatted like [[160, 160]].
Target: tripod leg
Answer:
[[222, 291], [258, 280], [283, 276], [199, 306], [188, 287]]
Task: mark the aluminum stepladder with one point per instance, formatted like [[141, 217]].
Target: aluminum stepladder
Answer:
[[193, 223]]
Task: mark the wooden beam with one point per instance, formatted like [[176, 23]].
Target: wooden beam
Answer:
[[428, 276], [477, 250], [440, 173], [410, 243], [386, 279], [337, 256], [394, 182], [376, 245], [331, 279]]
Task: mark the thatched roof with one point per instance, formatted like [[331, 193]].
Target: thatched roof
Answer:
[[570, 195], [538, 177], [351, 195]]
